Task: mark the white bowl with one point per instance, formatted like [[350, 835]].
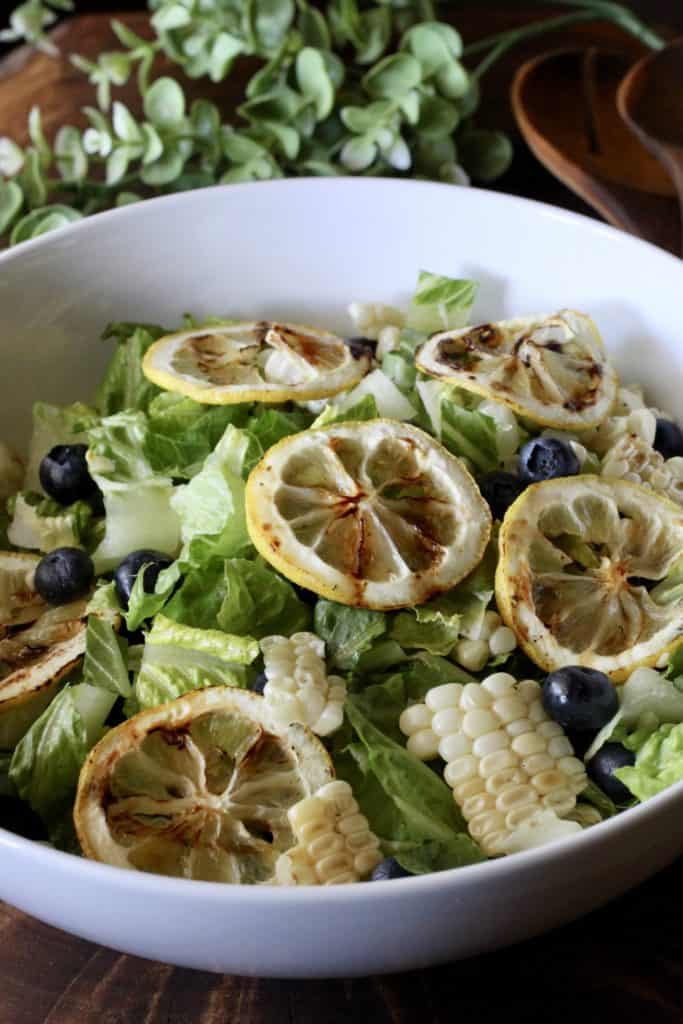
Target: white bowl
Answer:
[[305, 249]]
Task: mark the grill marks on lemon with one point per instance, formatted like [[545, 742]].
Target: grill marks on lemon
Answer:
[[198, 788], [255, 361], [550, 369], [375, 514], [580, 559]]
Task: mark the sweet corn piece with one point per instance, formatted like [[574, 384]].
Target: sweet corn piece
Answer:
[[511, 768], [298, 688], [334, 842]]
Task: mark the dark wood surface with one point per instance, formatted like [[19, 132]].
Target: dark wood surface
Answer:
[[621, 964]]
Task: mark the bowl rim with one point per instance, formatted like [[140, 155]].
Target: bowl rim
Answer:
[[141, 882]]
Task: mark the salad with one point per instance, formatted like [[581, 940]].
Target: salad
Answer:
[[281, 607]]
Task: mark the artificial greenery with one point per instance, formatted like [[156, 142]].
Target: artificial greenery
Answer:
[[345, 87]]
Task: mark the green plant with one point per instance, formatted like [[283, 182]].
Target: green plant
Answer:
[[371, 88]]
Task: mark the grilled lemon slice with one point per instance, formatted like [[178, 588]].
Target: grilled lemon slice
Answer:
[[376, 514], [254, 362], [549, 369], [578, 559], [198, 788]]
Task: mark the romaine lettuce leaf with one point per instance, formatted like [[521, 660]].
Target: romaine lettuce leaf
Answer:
[[408, 805], [659, 762], [347, 632], [42, 524], [53, 425], [181, 433], [268, 426], [211, 507], [105, 662], [364, 409], [240, 596], [440, 303], [178, 658], [46, 764], [389, 399], [467, 432], [124, 385], [420, 628], [137, 500]]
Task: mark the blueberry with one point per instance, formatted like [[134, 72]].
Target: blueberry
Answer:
[[260, 680], [668, 439], [307, 596], [499, 490], [127, 572], [64, 575], [601, 770], [580, 698], [544, 458], [580, 741], [360, 347], [64, 474], [389, 868]]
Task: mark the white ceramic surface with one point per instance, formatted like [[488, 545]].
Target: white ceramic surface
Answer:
[[304, 249]]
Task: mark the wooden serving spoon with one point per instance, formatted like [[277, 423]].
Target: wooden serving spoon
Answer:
[[565, 106], [650, 101]]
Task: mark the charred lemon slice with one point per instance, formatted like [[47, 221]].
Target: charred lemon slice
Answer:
[[198, 788], [34, 657], [254, 362], [549, 369], [376, 514], [20, 603], [582, 574]]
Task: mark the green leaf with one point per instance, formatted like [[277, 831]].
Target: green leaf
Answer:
[[47, 762], [32, 180], [485, 154], [72, 161], [11, 157], [37, 136], [314, 81], [358, 154], [239, 148], [659, 763], [428, 46], [164, 170], [270, 20], [240, 596], [440, 303], [11, 202], [365, 120], [42, 220], [224, 50], [454, 83], [53, 425], [104, 665], [437, 117], [363, 409], [469, 433], [117, 165], [347, 632], [373, 34], [164, 103], [170, 17], [124, 385], [313, 27], [393, 76]]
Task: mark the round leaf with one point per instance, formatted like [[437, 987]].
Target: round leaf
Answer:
[[428, 46], [171, 16], [11, 200], [223, 52], [394, 76], [124, 124], [117, 165], [11, 157], [452, 80], [164, 170], [72, 162], [358, 154], [33, 223], [313, 27], [485, 154], [165, 103], [437, 117], [314, 81]]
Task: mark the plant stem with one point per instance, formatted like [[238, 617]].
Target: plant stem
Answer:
[[503, 41]]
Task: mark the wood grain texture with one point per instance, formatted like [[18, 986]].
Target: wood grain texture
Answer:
[[622, 964]]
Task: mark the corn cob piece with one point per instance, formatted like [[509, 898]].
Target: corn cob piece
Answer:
[[298, 688], [334, 841], [509, 765]]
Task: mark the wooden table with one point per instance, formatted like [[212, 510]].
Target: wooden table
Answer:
[[621, 964]]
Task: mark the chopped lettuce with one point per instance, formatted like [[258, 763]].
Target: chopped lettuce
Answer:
[[240, 596], [348, 632], [408, 805], [104, 664], [137, 501], [467, 432], [46, 764], [364, 409], [425, 629], [181, 433], [124, 385], [210, 508], [178, 658], [42, 524], [53, 425], [390, 401], [659, 762], [440, 303], [646, 700], [267, 426], [670, 589]]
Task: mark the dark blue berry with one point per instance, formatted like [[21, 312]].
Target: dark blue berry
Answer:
[[307, 596], [499, 490], [601, 770], [668, 439], [389, 868], [259, 682], [64, 474], [544, 458], [580, 698], [580, 741], [127, 572], [64, 575], [361, 347]]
